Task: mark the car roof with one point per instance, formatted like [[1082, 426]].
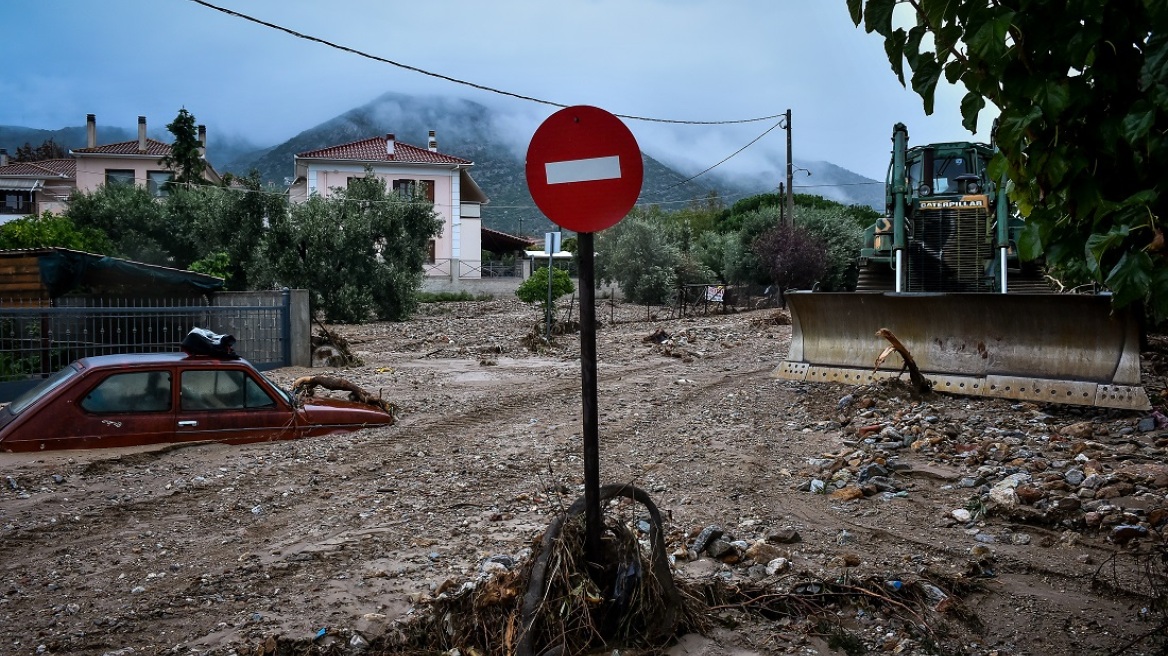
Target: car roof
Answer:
[[144, 359]]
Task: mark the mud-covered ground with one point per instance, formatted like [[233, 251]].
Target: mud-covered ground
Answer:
[[1009, 528]]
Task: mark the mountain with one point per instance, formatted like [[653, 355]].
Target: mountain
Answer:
[[494, 141]]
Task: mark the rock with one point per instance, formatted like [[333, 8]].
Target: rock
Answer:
[[1125, 533], [784, 536], [1084, 430], [1028, 494], [1093, 519], [849, 493], [870, 470], [763, 552], [708, 535], [723, 551], [1120, 489], [846, 560], [1074, 477], [1020, 538], [962, 515], [817, 486], [757, 572], [1146, 425], [1158, 517], [985, 538], [778, 566]]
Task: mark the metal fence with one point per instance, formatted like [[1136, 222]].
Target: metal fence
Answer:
[[37, 341]]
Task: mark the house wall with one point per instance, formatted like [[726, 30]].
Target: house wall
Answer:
[[91, 169], [458, 240]]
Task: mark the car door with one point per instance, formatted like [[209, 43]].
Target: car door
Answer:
[[120, 408], [228, 404]]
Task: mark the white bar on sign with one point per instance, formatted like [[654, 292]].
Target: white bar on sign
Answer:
[[583, 170]]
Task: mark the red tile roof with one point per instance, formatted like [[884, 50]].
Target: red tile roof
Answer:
[[155, 148], [373, 150], [48, 168]]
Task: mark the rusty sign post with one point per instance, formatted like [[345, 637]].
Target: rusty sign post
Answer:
[[584, 171]]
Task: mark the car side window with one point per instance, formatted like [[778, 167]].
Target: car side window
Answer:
[[141, 391], [212, 389]]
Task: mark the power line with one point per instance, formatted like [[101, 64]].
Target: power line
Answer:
[[731, 155], [473, 85]]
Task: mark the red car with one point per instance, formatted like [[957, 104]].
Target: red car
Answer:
[[127, 400]]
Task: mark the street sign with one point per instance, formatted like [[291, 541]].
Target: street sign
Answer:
[[584, 169]]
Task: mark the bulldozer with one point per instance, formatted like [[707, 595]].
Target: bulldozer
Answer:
[[941, 273]]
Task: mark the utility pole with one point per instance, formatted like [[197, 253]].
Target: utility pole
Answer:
[[790, 171]]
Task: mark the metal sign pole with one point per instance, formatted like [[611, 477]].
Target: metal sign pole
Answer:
[[592, 518]]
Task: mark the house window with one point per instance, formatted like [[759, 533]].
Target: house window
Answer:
[[14, 203], [404, 187], [415, 188], [158, 183], [119, 176]]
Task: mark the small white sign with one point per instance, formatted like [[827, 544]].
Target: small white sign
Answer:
[[551, 242], [583, 170]]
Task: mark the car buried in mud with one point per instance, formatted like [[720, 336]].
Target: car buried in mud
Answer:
[[157, 398]]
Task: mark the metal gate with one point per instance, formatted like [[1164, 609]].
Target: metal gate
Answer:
[[38, 341]]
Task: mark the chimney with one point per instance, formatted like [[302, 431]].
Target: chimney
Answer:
[[433, 145], [142, 134], [203, 141], [90, 131], [3, 157], [389, 144]]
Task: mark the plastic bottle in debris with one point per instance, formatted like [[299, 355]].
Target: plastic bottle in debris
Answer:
[[894, 585], [935, 595]]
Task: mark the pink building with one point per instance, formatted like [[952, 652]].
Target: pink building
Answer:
[[34, 187], [445, 179]]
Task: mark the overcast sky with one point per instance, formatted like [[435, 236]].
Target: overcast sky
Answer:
[[695, 60]]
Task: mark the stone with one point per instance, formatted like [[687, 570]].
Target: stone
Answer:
[[1120, 489], [757, 572], [985, 538], [708, 535], [1028, 494], [723, 551], [1069, 504], [778, 566], [1020, 538], [870, 470], [849, 493], [1158, 517], [763, 552], [817, 486], [784, 536], [1083, 430], [1074, 477], [1146, 425], [962, 515], [1125, 533]]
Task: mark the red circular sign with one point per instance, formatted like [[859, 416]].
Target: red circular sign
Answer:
[[584, 169]]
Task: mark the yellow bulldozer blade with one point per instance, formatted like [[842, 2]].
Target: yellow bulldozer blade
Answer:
[[1054, 348]]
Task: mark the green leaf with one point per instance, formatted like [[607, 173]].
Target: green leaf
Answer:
[[936, 11], [1098, 245], [1138, 123], [971, 106], [894, 47], [1155, 69], [988, 41], [1030, 242], [878, 17], [856, 9], [926, 74], [1053, 97], [944, 40], [1130, 279]]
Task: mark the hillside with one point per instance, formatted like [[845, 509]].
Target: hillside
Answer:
[[495, 142]]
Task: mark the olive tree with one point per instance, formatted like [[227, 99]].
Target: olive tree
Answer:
[[359, 252], [1082, 87]]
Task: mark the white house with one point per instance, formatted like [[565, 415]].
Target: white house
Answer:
[[456, 252]]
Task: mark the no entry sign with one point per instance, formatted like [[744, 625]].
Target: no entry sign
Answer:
[[584, 169]]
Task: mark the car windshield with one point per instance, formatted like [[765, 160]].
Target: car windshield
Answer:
[[47, 385]]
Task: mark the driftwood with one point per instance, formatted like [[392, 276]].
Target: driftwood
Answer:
[[306, 385], [919, 382]]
